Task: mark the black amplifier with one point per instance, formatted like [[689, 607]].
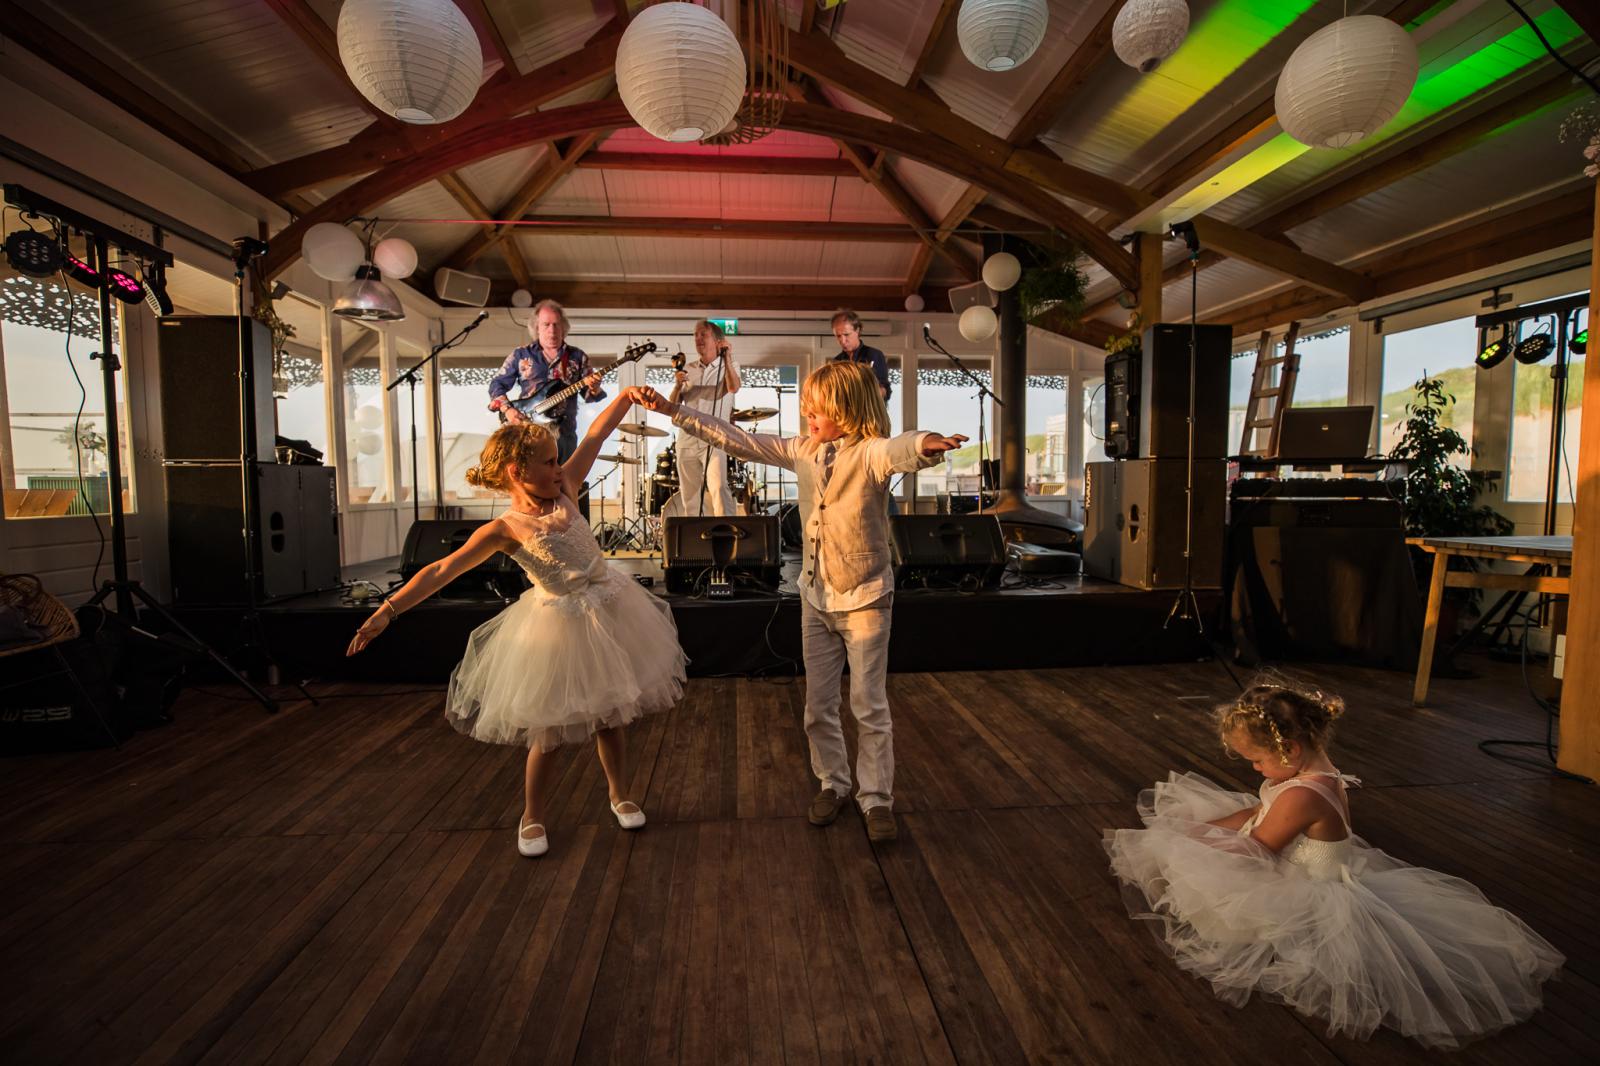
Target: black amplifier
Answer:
[[1278, 512]]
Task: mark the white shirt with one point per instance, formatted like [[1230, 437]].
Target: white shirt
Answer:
[[706, 390]]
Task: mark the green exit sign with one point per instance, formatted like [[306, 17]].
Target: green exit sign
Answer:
[[730, 326]]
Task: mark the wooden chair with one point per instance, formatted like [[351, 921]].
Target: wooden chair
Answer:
[[43, 611]]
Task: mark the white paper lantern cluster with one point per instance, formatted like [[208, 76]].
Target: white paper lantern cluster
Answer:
[[396, 257], [680, 71], [417, 60], [978, 323], [1001, 271], [1001, 34], [332, 252], [1146, 32], [1346, 81]]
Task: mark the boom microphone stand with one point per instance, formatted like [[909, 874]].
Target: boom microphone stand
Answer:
[[409, 376], [1186, 608], [983, 390]]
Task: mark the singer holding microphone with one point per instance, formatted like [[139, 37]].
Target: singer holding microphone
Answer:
[[707, 386], [546, 364]]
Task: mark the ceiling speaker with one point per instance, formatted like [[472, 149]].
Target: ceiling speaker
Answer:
[[459, 287], [975, 295]]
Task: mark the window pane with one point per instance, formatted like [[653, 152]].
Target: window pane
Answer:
[[1444, 350], [1324, 380], [465, 422], [1532, 425], [368, 476], [1094, 420], [42, 466], [1045, 464], [947, 403], [408, 355]]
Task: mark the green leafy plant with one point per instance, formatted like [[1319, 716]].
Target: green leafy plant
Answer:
[[89, 439], [1440, 497], [1051, 282], [1122, 342]]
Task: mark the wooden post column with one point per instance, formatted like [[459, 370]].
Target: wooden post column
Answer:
[[1149, 279], [1580, 709]]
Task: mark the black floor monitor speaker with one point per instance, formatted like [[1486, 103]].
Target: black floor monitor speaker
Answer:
[[934, 550], [1163, 396], [715, 554], [298, 534], [199, 385], [1134, 522], [788, 516], [430, 540]]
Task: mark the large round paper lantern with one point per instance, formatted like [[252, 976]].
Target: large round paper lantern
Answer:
[[1001, 34], [332, 252], [369, 443], [680, 71], [1148, 31], [978, 323], [396, 257], [417, 60], [915, 303], [1001, 271], [1345, 81]]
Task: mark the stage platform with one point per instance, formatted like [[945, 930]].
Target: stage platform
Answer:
[[1056, 622]]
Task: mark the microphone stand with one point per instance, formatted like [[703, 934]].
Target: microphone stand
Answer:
[[409, 376], [983, 390], [1186, 608]]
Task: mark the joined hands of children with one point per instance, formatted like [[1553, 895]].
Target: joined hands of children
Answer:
[[648, 398]]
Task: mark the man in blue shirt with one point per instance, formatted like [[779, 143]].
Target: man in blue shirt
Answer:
[[847, 331], [549, 359]]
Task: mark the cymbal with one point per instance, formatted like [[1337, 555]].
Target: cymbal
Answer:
[[754, 414], [640, 429], [626, 460]]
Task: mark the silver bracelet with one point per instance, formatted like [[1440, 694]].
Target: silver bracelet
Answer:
[[392, 612]]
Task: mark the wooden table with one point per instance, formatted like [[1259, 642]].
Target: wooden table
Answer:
[[1554, 552]]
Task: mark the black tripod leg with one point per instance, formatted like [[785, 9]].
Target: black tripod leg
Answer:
[[159, 611], [83, 693]]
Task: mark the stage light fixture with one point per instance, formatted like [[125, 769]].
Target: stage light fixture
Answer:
[[124, 286], [1185, 232], [80, 271], [155, 290], [38, 255], [1494, 353], [1533, 349], [1579, 344]]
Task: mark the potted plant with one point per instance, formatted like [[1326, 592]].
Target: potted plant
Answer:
[[1051, 283], [1441, 498]]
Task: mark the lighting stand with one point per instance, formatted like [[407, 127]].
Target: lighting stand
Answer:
[[409, 377], [1186, 608], [983, 390]]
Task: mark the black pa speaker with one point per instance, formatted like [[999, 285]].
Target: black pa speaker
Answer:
[[199, 385], [1163, 399], [1121, 429], [297, 532], [711, 554], [932, 550], [1134, 514], [430, 540]]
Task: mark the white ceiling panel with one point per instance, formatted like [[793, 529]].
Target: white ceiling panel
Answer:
[[857, 261], [582, 192], [786, 197], [562, 256], [798, 261], [494, 180], [540, 33], [670, 258], [856, 201]]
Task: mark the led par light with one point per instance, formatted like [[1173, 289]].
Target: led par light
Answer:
[[38, 255], [1535, 348], [124, 286]]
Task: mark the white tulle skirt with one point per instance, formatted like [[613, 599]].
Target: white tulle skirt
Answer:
[[1379, 943], [552, 669]]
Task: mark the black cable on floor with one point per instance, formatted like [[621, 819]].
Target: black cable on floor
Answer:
[[1552, 716]]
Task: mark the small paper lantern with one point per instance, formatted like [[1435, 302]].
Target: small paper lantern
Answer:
[[978, 323], [369, 444], [680, 72], [1001, 271], [522, 298], [1148, 31], [915, 303], [332, 252], [396, 257], [368, 417], [417, 60], [1001, 34], [1345, 81]]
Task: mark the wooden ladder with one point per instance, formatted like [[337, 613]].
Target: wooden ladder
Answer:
[[1281, 394]]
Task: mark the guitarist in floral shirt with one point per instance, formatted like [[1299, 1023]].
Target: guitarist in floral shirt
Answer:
[[543, 366]]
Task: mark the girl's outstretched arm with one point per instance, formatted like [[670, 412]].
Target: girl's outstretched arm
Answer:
[[577, 466], [488, 539]]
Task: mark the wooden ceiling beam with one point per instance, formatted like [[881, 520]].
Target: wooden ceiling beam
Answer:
[[489, 35], [684, 163], [544, 176], [304, 22], [495, 103], [457, 187], [692, 295], [1072, 76], [947, 226], [1270, 254], [929, 43], [764, 229]]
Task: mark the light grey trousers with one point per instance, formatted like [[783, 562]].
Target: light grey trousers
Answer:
[[829, 639]]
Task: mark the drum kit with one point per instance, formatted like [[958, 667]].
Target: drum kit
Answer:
[[658, 492]]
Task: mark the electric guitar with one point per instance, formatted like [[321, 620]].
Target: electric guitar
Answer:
[[548, 405]]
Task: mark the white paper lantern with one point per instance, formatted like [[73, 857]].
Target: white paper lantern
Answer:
[[915, 303], [369, 444], [1148, 31], [332, 252], [978, 323], [368, 417], [1346, 81], [1001, 271], [680, 71], [522, 298], [417, 60], [396, 257], [1001, 34]]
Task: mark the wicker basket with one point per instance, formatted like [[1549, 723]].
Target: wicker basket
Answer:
[[42, 610]]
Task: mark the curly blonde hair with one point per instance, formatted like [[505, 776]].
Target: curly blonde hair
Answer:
[[518, 443], [847, 393], [1272, 716]]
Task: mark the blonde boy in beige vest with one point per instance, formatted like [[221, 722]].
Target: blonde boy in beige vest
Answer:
[[846, 584]]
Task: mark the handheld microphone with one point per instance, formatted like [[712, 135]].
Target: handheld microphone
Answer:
[[926, 332], [482, 315]]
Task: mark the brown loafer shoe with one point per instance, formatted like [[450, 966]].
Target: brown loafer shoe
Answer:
[[825, 808], [880, 825]]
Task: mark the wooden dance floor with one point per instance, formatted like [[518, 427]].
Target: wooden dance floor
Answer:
[[340, 883]]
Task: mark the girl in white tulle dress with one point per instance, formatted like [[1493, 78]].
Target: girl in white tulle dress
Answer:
[[582, 653], [1274, 894]]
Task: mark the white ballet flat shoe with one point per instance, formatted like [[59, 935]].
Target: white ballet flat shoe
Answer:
[[633, 819], [532, 847]]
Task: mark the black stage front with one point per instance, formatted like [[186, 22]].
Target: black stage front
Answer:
[[1067, 621]]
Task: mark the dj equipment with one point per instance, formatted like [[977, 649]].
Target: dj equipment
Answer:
[[1134, 522], [1325, 432], [430, 540], [933, 550], [712, 554], [1332, 488], [298, 536]]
